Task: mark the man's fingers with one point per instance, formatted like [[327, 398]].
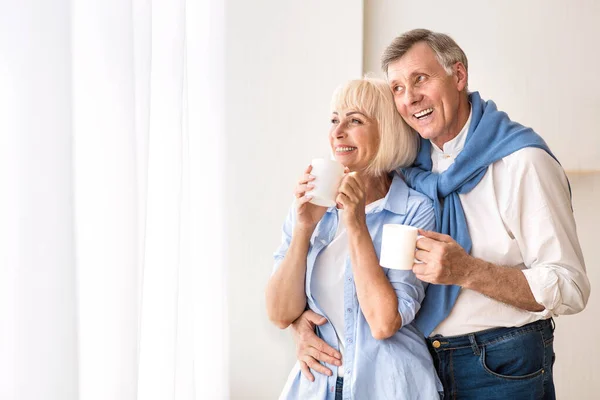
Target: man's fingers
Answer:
[[323, 347], [420, 270], [317, 366], [440, 237], [319, 345], [422, 255], [322, 356], [313, 317], [306, 371]]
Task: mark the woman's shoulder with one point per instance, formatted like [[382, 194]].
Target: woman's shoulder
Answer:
[[403, 197]]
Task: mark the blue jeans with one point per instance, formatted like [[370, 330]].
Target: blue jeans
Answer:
[[339, 386], [503, 363]]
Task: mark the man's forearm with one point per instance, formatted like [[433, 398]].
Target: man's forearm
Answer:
[[504, 284]]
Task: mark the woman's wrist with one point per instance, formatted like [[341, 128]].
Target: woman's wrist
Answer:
[[356, 226], [304, 231]]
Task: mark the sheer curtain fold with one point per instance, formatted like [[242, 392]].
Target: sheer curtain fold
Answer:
[[112, 271]]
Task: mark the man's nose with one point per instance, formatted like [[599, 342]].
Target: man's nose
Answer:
[[411, 96]]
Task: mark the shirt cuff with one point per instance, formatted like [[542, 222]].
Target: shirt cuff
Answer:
[[544, 285]]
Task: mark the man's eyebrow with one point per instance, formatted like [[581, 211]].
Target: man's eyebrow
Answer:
[[412, 74]]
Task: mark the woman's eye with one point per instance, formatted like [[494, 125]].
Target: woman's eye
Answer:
[[356, 121], [334, 121]]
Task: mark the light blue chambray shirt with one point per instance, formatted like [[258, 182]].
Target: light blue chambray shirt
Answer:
[[399, 367]]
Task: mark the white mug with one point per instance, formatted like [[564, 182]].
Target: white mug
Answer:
[[398, 245], [328, 176]]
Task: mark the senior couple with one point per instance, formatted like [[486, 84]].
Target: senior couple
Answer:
[[500, 254]]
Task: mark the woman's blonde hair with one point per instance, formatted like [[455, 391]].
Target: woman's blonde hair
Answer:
[[398, 143]]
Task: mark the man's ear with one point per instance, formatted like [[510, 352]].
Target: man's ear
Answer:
[[461, 76]]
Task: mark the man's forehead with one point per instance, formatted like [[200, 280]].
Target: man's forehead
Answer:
[[418, 58]]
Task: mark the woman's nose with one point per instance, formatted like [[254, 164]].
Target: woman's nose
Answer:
[[339, 131]]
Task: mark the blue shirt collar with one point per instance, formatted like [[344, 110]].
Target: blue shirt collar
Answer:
[[396, 199]]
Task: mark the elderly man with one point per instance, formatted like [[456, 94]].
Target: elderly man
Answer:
[[507, 258]]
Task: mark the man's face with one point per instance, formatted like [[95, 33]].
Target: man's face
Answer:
[[425, 95]]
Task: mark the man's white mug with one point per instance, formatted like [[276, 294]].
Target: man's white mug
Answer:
[[328, 176], [398, 245]]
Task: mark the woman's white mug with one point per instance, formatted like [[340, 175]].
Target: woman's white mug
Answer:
[[398, 245], [328, 176]]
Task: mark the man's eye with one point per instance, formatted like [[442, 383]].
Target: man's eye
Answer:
[[398, 88], [334, 121], [420, 78]]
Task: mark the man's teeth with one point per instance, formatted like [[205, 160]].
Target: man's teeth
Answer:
[[343, 149], [424, 113]]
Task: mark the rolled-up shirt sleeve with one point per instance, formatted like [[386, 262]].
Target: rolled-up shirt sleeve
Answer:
[[286, 237], [539, 215]]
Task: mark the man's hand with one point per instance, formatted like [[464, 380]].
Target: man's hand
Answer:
[[310, 349], [445, 262]]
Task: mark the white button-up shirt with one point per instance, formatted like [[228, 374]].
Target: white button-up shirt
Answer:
[[519, 215]]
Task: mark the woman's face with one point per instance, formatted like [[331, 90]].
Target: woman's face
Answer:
[[354, 138]]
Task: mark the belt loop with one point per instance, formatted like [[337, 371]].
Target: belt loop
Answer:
[[474, 344]]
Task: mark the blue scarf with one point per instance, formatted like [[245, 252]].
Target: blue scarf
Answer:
[[491, 137]]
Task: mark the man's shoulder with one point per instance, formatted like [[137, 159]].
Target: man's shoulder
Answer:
[[528, 158]]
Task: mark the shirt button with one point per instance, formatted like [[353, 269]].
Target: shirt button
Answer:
[[348, 372], [349, 340], [349, 309], [349, 279], [436, 344]]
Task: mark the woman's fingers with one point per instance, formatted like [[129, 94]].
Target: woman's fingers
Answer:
[[303, 200], [349, 191], [301, 189]]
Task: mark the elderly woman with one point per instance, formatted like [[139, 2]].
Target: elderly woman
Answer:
[[328, 260]]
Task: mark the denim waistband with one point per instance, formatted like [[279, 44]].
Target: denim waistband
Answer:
[[439, 342]]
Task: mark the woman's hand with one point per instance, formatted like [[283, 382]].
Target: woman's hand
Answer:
[[352, 199], [308, 214]]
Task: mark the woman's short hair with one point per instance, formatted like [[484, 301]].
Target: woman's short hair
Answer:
[[398, 143]]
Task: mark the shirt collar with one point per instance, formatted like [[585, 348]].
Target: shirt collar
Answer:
[[455, 145], [396, 199]]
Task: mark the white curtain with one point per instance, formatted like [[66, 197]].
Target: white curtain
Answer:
[[112, 256]]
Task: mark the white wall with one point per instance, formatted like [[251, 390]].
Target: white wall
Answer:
[[283, 61], [537, 60], [576, 354]]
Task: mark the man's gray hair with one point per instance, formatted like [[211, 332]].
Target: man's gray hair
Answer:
[[445, 48]]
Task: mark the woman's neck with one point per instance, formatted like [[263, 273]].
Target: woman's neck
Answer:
[[376, 187]]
